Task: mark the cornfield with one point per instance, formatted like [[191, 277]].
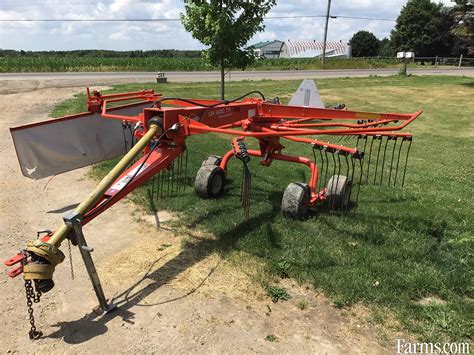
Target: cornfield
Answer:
[[67, 63]]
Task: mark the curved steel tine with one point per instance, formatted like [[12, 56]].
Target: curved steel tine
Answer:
[[169, 180], [348, 174], [242, 184], [321, 171], [383, 159], [360, 178], [351, 180], [178, 174], [370, 158], [398, 161], [332, 184], [186, 166], [317, 167], [378, 156], [327, 168], [338, 170], [406, 161], [391, 161], [181, 163]]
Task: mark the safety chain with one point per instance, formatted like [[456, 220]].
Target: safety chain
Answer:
[[70, 258], [30, 298]]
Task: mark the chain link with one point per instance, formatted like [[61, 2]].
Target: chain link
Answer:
[[30, 298], [70, 259]]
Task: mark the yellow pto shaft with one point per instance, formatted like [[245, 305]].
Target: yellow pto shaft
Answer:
[[42, 272], [106, 182]]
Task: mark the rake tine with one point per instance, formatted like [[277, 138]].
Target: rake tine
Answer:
[[364, 137], [351, 180], [186, 166], [332, 185], [338, 171], [180, 163], [181, 186], [391, 161], [317, 167], [398, 162], [169, 180], [383, 159], [370, 158], [173, 167], [327, 167], [178, 173], [242, 184], [176, 176], [245, 190], [323, 168], [348, 175], [360, 178], [162, 183], [406, 160], [378, 156]]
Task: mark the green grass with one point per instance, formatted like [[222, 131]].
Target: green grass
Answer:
[[416, 242], [71, 63]]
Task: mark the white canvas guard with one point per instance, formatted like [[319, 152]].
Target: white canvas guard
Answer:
[[55, 146], [307, 95]]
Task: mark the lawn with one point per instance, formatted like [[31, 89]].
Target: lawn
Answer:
[[399, 249]]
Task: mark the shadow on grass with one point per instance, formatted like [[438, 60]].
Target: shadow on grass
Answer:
[[90, 326], [469, 84]]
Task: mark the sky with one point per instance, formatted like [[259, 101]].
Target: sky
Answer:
[[171, 35]]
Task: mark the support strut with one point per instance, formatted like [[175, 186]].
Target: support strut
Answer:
[[73, 221]]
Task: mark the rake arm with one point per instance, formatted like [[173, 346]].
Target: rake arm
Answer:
[[161, 127]]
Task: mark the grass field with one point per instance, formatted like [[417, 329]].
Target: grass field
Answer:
[[400, 249], [70, 63]]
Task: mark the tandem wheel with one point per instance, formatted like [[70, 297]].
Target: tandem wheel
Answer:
[[294, 203], [210, 178], [212, 160], [338, 191]]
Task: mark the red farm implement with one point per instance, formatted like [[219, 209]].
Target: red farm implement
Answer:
[[151, 132]]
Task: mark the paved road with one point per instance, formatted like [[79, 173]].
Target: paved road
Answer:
[[24, 82], [236, 75]]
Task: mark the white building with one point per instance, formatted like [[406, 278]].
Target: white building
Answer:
[[312, 49], [268, 49], [301, 49]]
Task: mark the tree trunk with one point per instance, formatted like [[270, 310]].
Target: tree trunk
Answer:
[[222, 79]]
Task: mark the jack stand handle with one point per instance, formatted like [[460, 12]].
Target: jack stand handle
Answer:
[[73, 220]]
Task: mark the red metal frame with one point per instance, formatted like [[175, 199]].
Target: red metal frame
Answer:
[[249, 118]]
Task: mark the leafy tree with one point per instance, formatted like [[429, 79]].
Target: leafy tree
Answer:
[[385, 48], [364, 44], [464, 27], [225, 26], [425, 28]]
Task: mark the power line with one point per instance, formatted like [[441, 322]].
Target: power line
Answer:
[[177, 19]]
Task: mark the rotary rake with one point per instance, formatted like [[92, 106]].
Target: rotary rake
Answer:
[[151, 132]]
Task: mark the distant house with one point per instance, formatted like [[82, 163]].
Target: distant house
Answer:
[[268, 49], [313, 49]]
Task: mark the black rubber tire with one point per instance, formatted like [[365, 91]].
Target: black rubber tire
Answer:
[[338, 190], [210, 181], [295, 200], [212, 160]]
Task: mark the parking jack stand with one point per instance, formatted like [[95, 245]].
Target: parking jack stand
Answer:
[[73, 220]]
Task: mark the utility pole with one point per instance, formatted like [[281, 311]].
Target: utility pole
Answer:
[[326, 32], [222, 68]]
